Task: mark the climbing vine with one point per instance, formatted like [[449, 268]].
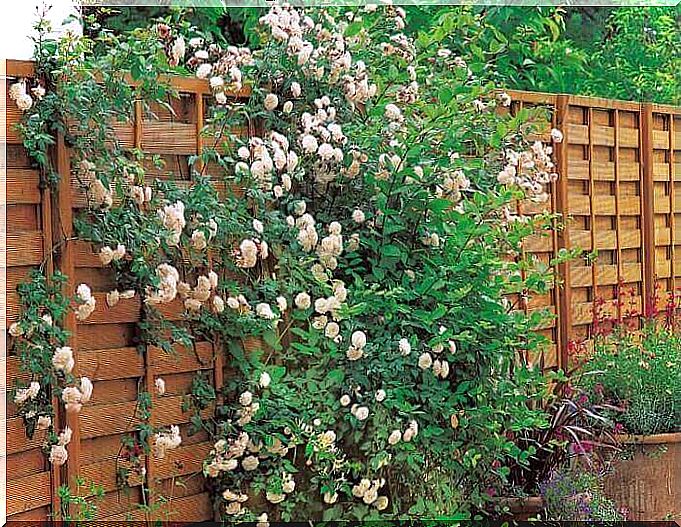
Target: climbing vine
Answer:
[[354, 272]]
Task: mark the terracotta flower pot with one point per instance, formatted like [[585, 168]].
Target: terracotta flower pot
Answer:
[[648, 482]]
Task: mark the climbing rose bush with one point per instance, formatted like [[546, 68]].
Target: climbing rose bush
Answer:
[[361, 271]]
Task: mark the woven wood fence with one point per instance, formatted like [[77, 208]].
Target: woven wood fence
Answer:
[[618, 164]]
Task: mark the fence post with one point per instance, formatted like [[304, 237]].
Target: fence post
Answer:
[[562, 208], [63, 236], [648, 212]]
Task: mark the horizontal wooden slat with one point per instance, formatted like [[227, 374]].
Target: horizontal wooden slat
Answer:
[[28, 493], [106, 419], [41, 514], [128, 310], [11, 306], [108, 364], [181, 360], [100, 420], [86, 255], [163, 138], [24, 248], [182, 461], [21, 186], [102, 473], [16, 437]]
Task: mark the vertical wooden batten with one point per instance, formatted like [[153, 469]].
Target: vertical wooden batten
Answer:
[[618, 223], [648, 203], [672, 207], [592, 206], [64, 248], [563, 235], [199, 129]]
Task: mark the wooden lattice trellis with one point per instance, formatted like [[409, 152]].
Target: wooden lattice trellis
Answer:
[[618, 164]]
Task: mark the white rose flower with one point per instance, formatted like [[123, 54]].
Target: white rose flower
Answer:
[[24, 102], [392, 112], [218, 304], [204, 70], [310, 144], [113, 297], [244, 152], [404, 346], [556, 135], [345, 400], [288, 107], [72, 398], [335, 228], [246, 398], [362, 413], [160, 385], [359, 339], [425, 361], [44, 422], [394, 437], [353, 353], [178, 50], [296, 90], [250, 463], [288, 486], [199, 241], [258, 226], [321, 306], [65, 436], [15, 330], [217, 82], [271, 102], [330, 498], [358, 216], [58, 455], [380, 395], [86, 389], [381, 503], [62, 360], [370, 495], [232, 302], [275, 498], [262, 521], [264, 380], [332, 330], [264, 310], [83, 292], [106, 255]]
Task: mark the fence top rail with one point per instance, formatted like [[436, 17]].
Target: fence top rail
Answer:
[[24, 68], [593, 102]]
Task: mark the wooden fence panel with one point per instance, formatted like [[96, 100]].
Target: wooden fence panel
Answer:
[[618, 166], [31, 480]]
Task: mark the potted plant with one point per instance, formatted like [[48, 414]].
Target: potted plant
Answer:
[[572, 493], [639, 370], [578, 431]]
